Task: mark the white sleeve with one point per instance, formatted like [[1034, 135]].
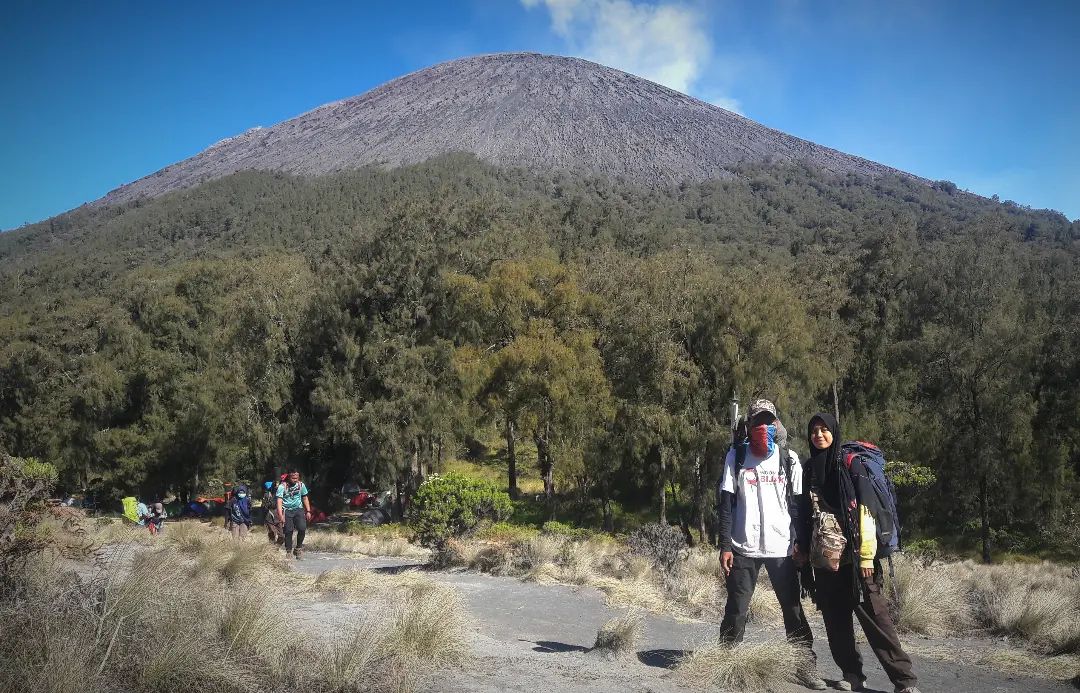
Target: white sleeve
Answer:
[[796, 474], [727, 482]]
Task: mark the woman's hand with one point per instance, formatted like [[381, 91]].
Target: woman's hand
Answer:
[[867, 572], [798, 557]]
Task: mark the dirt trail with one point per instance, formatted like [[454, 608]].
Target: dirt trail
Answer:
[[536, 638]]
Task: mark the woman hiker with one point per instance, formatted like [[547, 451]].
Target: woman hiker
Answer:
[[855, 588], [238, 513]]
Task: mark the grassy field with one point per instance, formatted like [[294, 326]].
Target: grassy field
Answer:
[[194, 610]]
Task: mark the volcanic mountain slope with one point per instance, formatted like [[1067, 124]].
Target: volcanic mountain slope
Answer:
[[525, 110]]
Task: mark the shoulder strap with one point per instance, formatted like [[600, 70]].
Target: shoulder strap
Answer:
[[740, 456], [785, 464]]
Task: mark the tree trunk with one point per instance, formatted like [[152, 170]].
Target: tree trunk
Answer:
[[511, 459], [663, 492], [984, 482], [605, 506], [984, 510], [399, 506], [699, 497], [835, 403], [684, 524], [547, 465]]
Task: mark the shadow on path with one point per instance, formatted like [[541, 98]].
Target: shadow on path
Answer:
[[664, 659], [552, 646], [398, 569]]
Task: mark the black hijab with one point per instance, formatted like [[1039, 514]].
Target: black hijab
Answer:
[[829, 477]]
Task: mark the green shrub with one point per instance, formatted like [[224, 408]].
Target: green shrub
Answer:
[[504, 532], [662, 544], [926, 550], [449, 506], [24, 486], [561, 529], [353, 527]]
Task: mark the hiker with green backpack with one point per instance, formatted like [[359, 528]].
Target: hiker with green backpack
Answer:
[[846, 524], [756, 499]]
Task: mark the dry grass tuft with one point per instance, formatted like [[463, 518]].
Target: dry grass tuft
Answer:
[[745, 667], [931, 600], [251, 623], [120, 532], [373, 544], [1040, 603], [697, 592], [643, 593], [539, 551], [1061, 667], [430, 627], [764, 608], [619, 636], [349, 584]]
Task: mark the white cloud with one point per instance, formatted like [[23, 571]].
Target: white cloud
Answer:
[[727, 103], [664, 42]]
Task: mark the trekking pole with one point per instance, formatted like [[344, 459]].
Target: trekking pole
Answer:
[[734, 414]]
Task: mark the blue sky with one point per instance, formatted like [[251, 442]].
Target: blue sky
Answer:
[[986, 94]]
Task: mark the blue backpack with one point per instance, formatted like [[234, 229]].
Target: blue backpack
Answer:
[[886, 518]]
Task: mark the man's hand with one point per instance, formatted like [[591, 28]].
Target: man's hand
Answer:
[[798, 557], [727, 559], [867, 572]]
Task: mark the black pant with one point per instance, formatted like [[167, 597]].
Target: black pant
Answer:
[[837, 601], [295, 519], [741, 582]]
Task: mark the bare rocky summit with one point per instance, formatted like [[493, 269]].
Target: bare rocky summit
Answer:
[[527, 110]]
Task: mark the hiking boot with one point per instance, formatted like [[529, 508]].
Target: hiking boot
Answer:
[[908, 689], [850, 682], [298, 552], [811, 679]]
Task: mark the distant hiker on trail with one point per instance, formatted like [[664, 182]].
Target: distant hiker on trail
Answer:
[[851, 582], [755, 508], [156, 519], [274, 532], [294, 509], [142, 512], [238, 513]]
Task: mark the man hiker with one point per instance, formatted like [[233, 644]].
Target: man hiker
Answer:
[[755, 508], [853, 585], [294, 510]]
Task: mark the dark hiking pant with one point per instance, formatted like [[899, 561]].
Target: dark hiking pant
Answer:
[[837, 601], [741, 582], [295, 520]]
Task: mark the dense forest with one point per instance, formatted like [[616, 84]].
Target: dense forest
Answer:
[[368, 325]]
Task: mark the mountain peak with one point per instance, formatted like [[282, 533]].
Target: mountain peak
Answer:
[[529, 110]]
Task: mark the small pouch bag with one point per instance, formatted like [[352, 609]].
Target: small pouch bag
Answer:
[[827, 541]]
